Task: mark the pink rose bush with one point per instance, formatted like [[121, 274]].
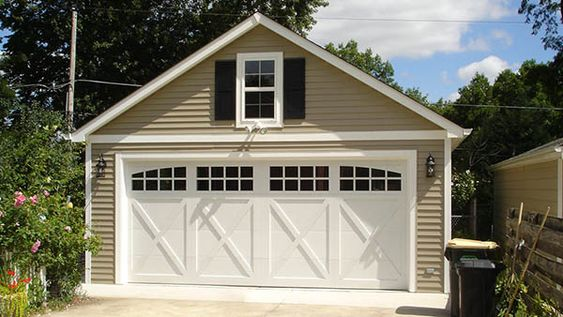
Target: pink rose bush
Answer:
[[40, 230], [19, 199], [35, 246]]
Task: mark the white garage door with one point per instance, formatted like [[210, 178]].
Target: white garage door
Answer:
[[298, 224]]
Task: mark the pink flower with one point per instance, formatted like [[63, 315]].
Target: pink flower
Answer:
[[33, 199], [46, 193], [18, 193], [19, 200], [35, 246], [68, 229]]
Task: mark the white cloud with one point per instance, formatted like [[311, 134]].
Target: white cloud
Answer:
[[490, 66], [414, 39], [502, 36], [453, 96], [478, 44]]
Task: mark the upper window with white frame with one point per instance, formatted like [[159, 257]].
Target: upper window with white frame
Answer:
[[259, 89]]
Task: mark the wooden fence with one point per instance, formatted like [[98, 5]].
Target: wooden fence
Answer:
[[545, 270]]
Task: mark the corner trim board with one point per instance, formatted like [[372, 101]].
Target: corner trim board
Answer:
[[88, 208], [272, 137], [447, 208], [560, 188]]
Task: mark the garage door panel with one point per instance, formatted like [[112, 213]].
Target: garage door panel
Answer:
[[369, 243], [299, 238], [292, 237], [158, 238], [224, 237]]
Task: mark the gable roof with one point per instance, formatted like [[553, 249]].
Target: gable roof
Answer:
[[453, 130], [543, 153]]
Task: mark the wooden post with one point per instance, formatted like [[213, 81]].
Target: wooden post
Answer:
[[71, 74], [517, 242], [525, 268]]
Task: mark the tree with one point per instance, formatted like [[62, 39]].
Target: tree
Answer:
[[502, 124], [416, 94], [121, 41], [367, 61], [546, 14]]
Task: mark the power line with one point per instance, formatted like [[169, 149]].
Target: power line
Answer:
[[55, 87], [366, 19], [107, 82], [495, 106], [59, 86]]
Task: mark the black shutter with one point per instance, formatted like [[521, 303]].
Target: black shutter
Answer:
[[225, 90], [294, 88]]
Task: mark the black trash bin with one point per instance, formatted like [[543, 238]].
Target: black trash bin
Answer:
[[477, 280], [463, 249]]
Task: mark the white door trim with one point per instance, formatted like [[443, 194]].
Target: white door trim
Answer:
[[122, 218]]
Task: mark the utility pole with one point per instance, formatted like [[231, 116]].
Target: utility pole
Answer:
[[71, 75]]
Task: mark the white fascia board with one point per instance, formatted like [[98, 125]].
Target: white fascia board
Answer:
[[165, 78], [539, 157], [272, 137], [355, 72]]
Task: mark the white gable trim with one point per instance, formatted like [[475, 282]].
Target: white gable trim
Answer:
[[273, 137], [237, 31]]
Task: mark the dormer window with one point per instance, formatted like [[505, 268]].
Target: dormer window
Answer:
[[259, 89]]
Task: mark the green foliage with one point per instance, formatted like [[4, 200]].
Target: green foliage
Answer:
[[367, 61], [122, 41], [14, 305], [464, 185], [43, 230], [528, 303], [34, 155], [36, 159], [547, 15], [502, 128], [416, 94]]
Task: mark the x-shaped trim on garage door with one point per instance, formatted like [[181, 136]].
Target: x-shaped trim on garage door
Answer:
[[368, 238], [298, 240], [223, 236], [158, 238]]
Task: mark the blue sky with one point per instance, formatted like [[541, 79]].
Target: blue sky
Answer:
[[436, 57]]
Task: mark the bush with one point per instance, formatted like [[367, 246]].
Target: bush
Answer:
[[45, 230], [47, 170], [464, 185]]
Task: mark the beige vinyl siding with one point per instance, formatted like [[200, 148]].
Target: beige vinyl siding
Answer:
[[535, 185], [430, 202], [334, 101]]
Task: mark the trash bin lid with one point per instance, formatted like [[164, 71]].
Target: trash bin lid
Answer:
[[458, 243], [476, 264]]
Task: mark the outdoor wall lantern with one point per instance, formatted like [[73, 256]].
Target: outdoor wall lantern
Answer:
[[430, 166], [101, 167]]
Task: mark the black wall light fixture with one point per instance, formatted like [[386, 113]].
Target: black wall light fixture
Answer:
[[430, 166], [101, 167]]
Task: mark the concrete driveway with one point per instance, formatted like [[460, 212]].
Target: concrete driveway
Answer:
[[153, 307]]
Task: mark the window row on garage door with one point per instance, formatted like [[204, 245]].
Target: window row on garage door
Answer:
[[278, 178]]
